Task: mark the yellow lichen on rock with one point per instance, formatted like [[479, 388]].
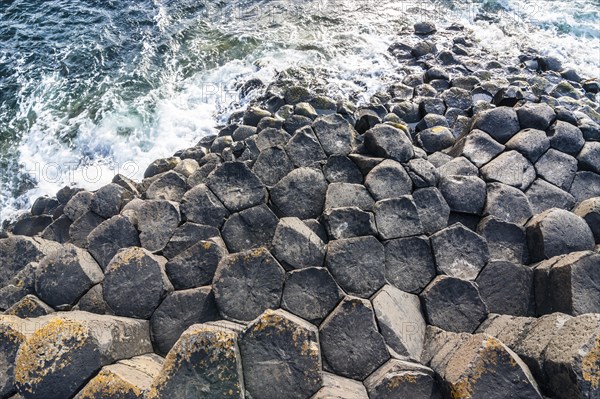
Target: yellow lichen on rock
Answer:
[[590, 365], [44, 352]]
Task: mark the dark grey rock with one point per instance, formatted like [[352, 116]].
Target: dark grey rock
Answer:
[[64, 276], [566, 138], [357, 264], [31, 225], [271, 138], [248, 283], [424, 28], [242, 132], [109, 200], [301, 193], [397, 217], [572, 284], [188, 235], [430, 121], [557, 232], [589, 157], [317, 228], [205, 358], [585, 185], [161, 166], [507, 203], [304, 148], [531, 143], [335, 134], [459, 166], [93, 302], [350, 342], [236, 186], [409, 263], [510, 168], [507, 288], [463, 193], [109, 237], [135, 283], [401, 321], [85, 343], [435, 139], [286, 348], [78, 205], [310, 293], [195, 266], [504, 374], [458, 98], [250, 228], [459, 252], [295, 122], [433, 209], [296, 246], [16, 286], [348, 222], [81, 228], [389, 142], [29, 306], [340, 169], [557, 168], [58, 230], [272, 165], [478, 147], [408, 111], [177, 312], [157, 221], [201, 206], [253, 115], [402, 379], [422, 173], [535, 116], [506, 241], [590, 130], [571, 359], [170, 186], [340, 195], [389, 179], [543, 196], [589, 210], [501, 123], [453, 304], [336, 387]]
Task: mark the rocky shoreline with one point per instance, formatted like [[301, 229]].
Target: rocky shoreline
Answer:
[[439, 242]]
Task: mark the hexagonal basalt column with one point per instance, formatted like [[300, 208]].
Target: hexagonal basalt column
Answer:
[[281, 357]]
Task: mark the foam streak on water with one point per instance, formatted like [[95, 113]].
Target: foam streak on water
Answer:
[[89, 88]]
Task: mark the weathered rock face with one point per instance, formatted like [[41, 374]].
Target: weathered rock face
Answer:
[[352, 347], [247, 284], [126, 379], [64, 276], [483, 367], [393, 249], [285, 348], [206, 358], [135, 283], [58, 358]]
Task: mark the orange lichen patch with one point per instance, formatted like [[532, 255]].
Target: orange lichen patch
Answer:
[[108, 384], [397, 380], [485, 360], [590, 365], [44, 352], [132, 256], [218, 346]]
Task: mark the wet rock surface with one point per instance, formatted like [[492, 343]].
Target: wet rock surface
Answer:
[[439, 241]]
